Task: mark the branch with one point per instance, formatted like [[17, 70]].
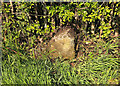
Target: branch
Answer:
[[13, 51]]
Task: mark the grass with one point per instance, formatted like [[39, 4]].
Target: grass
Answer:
[[100, 70], [100, 66]]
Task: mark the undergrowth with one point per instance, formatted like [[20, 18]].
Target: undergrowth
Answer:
[[25, 26], [97, 69]]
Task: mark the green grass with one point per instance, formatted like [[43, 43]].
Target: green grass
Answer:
[[96, 66], [99, 70]]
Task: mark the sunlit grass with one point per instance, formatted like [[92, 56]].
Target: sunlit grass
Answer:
[[99, 70], [100, 66]]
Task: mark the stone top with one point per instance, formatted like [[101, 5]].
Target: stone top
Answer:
[[62, 43]]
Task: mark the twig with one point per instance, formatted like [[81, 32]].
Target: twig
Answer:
[[13, 51], [82, 8]]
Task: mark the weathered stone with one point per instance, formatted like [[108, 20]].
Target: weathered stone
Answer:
[[62, 44]]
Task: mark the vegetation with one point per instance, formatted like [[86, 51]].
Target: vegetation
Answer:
[[28, 25]]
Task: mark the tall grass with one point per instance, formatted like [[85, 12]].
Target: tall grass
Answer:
[[100, 67], [99, 70]]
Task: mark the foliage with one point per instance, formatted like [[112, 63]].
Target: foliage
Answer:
[[26, 25], [91, 13]]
